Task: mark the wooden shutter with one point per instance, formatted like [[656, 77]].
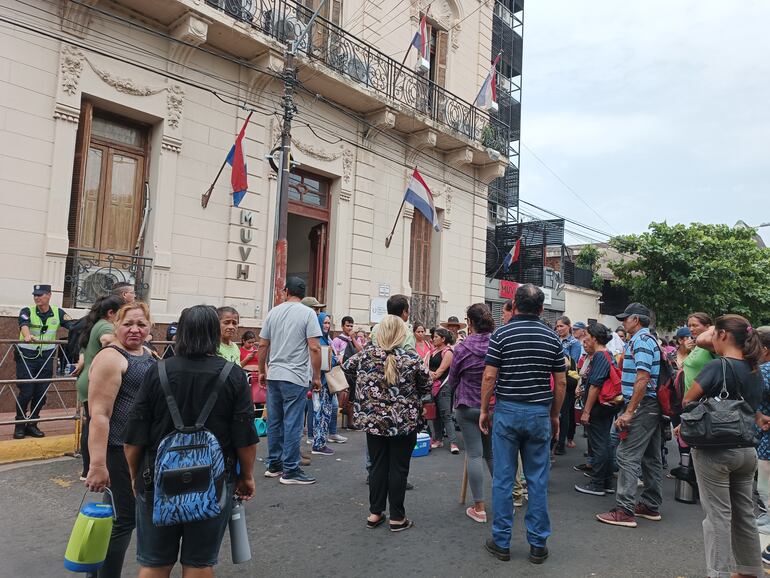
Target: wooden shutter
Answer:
[[78, 171], [419, 262], [319, 255], [336, 12], [442, 44]]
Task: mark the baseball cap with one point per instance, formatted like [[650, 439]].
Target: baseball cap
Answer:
[[296, 286], [312, 302], [579, 325], [634, 309], [38, 290], [682, 332]]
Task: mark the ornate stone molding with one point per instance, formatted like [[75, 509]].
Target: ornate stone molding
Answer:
[[347, 164], [492, 171], [316, 152], [76, 17], [258, 81], [191, 30], [66, 113], [175, 104], [408, 212], [71, 65], [446, 223], [449, 199], [171, 144], [378, 120], [124, 84], [420, 141], [444, 13], [460, 157], [345, 195]]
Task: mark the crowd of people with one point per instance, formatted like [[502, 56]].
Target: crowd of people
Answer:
[[516, 392]]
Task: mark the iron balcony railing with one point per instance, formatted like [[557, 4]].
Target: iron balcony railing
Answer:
[[424, 308], [91, 274], [285, 20]]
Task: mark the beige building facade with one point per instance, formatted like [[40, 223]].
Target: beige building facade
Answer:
[[116, 117]]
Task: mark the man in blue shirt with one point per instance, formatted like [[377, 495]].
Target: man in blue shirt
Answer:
[[639, 425]]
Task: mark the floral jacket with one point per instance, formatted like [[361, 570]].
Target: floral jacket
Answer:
[[386, 410]]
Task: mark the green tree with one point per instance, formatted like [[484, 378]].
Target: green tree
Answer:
[[677, 269], [588, 258]]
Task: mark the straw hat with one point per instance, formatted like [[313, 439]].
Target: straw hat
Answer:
[[453, 323]]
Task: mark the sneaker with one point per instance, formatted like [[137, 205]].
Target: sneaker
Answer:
[[274, 471], [503, 554], [82, 478], [766, 555], [571, 444], [309, 441], [436, 444], [337, 439], [454, 449], [647, 513], [589, 489], [297, 477], [480, 517], [582, 468], [324, 451], [609, 490], [617, 517]]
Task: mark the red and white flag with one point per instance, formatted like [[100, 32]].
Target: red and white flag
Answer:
[[487, 97]]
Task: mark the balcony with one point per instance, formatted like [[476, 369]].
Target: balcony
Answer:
[[91, 274], [338, 65]]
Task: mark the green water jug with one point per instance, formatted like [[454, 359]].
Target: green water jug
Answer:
[[90, 536]]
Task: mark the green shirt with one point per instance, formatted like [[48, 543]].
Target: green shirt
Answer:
[[230, 352], [694, 363], [408, 343], [100, 328]]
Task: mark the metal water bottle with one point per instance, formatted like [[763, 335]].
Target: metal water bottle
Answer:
[[239, 538]]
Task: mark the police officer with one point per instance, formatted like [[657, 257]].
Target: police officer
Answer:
[[35, 360]]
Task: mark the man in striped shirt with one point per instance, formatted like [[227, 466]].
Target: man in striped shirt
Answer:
[[639, 425], [523, 355]]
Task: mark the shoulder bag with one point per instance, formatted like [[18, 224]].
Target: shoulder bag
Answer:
[[719, 422]]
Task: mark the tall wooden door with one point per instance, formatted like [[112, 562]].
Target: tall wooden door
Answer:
[[419, 262], [319, 256]]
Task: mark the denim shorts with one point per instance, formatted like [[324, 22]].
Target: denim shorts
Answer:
[[158, 546]]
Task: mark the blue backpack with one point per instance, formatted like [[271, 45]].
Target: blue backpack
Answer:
[[189, 464]]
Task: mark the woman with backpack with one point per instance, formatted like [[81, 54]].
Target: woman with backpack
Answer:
[[598, 416], [114, 380], [194, 378], [726, 474], [439, 364]]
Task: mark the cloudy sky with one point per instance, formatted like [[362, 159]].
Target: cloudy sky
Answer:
[[650, 111]]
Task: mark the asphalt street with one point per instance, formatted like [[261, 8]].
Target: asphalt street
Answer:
[[319, 530]]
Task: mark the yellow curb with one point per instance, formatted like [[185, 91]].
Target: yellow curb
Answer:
[[35, 448]]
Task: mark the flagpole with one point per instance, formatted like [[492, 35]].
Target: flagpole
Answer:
[[207, 195], [408, 50], [389, 238]]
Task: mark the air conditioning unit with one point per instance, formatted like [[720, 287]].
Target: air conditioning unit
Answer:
[[505, 83], [357, 70], [286, 27], [501, 214], [548, 277], [422, 66]]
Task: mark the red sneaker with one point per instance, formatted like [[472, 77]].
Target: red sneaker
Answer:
[[648, 514], [617, 517]]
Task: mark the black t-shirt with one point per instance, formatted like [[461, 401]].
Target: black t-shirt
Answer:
[[191, 381], [741, 378]]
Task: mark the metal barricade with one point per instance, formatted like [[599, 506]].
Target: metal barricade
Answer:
[[9, 353]]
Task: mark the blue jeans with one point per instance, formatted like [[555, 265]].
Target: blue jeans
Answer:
[[521, 428], [285, 414]]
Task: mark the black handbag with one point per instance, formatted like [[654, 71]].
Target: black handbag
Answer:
[[719, 422]]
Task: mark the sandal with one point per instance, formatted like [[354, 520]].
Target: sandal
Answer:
[[405, 525], [371, 525]]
